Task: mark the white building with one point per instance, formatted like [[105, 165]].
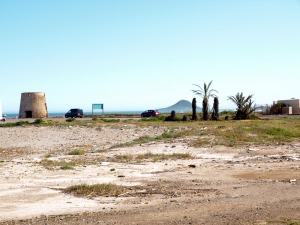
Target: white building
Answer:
[[292, 106]]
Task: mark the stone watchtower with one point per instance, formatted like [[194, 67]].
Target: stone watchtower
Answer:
[[33, 105]]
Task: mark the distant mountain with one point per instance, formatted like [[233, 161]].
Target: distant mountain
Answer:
[[180, 107]]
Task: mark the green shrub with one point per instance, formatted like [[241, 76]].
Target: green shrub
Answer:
[[77, 152], [20, 123], [67, 166], [52, 164], [168, 134], [71, 119], [38, 121]]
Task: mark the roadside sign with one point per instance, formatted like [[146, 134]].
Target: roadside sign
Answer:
[[97, 106]]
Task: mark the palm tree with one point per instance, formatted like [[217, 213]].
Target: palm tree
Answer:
[[194, 107], [206, 93], [245, 106], [215, 113]]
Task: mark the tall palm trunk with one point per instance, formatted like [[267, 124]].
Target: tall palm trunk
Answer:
[[215, 114], [206, 93], [194, 106], [205, 108]]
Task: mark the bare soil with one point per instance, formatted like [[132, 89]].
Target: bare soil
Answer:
[[219, 185]]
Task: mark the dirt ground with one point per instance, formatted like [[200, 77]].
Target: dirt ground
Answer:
[[219, 185]]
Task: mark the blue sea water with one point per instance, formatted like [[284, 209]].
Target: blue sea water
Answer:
[[62, 114]]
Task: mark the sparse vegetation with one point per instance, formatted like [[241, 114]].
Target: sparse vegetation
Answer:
[[77, 152], [238, 133], [19, 123], [67, 166], [228, 113], [155, 118], [150, 157], [95, 190], [110, 120], [161, 157], [71, 119], [285, 221], [52, 164], [38, 121], [146, 139], [227, 133], [201, 133]]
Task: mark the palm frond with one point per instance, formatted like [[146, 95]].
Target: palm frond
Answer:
[[245, 105]]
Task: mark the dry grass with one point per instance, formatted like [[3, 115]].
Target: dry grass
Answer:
[[95, 190], [203, 133], [70, 162], [210, 133], [239, 133], [77, 152], [10, 153], [150, 157], [53, 164], [285, 221]]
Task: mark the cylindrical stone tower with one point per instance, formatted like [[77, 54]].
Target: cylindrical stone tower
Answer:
[[33, 105]]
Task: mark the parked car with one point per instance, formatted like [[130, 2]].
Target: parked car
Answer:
[[150, 113], [74, 113]]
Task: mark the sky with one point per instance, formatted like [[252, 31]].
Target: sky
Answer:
[[136, 55]]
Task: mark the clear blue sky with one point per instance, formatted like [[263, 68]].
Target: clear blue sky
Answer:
[[137, 55]]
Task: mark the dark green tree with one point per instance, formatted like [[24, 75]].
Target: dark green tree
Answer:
[[206, 93], [277, 108], [245, 106]]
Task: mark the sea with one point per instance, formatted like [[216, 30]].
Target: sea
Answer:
[[62, 114]]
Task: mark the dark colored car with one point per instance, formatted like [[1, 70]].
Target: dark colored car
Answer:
[[74, 113], [150, 113]]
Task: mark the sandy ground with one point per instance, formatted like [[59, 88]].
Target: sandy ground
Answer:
[[220, 185]]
